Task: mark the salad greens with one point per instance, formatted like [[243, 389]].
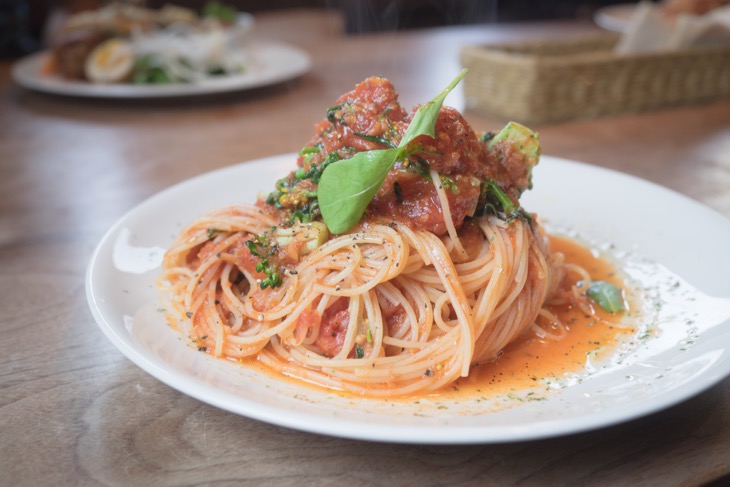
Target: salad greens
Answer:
[[221, 11], [148, 69]]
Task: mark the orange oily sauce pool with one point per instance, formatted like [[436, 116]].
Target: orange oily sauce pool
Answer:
[[529, 361]]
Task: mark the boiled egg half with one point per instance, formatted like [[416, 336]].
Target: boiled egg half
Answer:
[[111, 61]]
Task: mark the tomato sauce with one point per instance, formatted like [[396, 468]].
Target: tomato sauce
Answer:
[[530, 361]]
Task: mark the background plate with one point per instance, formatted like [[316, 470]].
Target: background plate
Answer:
[[267, 64]]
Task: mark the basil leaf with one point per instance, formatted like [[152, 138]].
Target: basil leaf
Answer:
[[348, 186], [424, 121], [606, 295]]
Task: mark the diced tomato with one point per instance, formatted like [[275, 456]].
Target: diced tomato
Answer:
[[307, 320], [416, 202], [333, 328]]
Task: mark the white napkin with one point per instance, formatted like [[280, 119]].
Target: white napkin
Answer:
[[651, 30]]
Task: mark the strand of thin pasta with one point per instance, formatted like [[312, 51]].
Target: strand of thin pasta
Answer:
[[353, 311], [488, 297], [511, 285], [559, 329], [396, 297], [418, 296], [445, 268], [446, 212], [521, 314], [518, 273], [375, 325]]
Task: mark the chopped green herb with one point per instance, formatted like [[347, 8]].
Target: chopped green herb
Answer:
[[359, 352], [334, 114], [293, 194], [449, 184], [273, 279], [420, 166], [376, 139], [494, 201], [316, 170], [310, 149], [212, 231], [306, 213]]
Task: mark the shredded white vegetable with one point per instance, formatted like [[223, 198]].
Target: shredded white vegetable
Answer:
[[188, 54]]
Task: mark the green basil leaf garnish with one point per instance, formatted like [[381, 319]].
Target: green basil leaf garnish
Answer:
[[607, 296], [347, 187], [424, 121]]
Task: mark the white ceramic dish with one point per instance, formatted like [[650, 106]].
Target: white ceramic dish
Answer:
[[266, 63], [687, 352], [615, 17]]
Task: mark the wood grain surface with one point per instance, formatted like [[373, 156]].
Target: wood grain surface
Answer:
[[75, 411]]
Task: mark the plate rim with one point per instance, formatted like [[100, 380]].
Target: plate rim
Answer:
[[408, 434]]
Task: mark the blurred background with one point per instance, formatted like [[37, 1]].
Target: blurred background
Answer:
[[22, 22]]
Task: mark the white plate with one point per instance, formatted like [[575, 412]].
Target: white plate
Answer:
[[687, 353], [615, 17], [267, 63]]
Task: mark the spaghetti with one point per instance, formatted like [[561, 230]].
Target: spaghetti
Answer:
[[404, 302]]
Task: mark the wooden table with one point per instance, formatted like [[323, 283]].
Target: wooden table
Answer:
[[75, 411]]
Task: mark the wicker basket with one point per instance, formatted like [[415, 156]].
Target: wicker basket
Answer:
[[582, 78]]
